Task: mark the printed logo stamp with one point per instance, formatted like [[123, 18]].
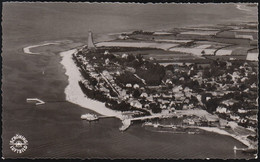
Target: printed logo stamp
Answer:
[[18, 144]]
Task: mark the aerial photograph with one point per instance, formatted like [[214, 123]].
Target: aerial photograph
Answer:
[[129, 80]]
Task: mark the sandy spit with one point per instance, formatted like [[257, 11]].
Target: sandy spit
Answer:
[[26, 50]]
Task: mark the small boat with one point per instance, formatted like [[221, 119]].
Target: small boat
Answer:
[[250, 150], [89, 117], [191, 132]]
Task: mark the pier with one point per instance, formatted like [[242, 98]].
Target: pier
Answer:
[[127, 122]]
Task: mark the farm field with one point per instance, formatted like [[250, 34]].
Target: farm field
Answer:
[[163, 46]]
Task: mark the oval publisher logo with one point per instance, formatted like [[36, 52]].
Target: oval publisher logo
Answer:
[[18, 144]]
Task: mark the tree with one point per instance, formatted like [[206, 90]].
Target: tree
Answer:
[[155, 108], [194, 100], [207, 73], [212, 104], [136, 93], [93, 82], [228, 77], [130, 58]]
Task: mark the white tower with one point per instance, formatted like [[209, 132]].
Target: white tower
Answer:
[[90, 41]]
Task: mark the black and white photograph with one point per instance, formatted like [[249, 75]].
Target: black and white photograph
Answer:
[[92, 80]]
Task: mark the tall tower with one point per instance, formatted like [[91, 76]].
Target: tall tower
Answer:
[[90, 41]]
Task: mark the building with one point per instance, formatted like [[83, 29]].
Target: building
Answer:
[[91, 45]]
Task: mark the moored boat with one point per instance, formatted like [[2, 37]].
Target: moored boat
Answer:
[[89, 117]]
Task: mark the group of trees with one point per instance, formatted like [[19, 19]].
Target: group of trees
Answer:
[[142, 32], [93, 94], [152, 74], [155, 107], [128, 77]]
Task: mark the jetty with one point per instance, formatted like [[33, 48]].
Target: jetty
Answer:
[[35, 100]]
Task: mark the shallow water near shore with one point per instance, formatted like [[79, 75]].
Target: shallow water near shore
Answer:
[[55, 130]]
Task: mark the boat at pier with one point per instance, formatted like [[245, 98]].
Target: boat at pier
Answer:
[[89, 117], [126, 124], [249, 150]]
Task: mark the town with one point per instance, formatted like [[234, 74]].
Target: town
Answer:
[[205, 75]]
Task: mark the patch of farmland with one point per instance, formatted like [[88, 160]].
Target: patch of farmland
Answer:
[[163, 46], [169, 55], [223, 52], [204, 46], [207, 42], [254, 50], [202, 32], [253, 34], [198, 51], [173, 40], [226, 34], [252, 56], [202, 28], [246, 30], [214, 45], [244, 36], [186, 61], [240, 51], [162, 33]]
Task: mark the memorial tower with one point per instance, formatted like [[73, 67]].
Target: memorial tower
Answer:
[[91, 45]]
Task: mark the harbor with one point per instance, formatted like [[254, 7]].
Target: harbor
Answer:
[[126, 121]]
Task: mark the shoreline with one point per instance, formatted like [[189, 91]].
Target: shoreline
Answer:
[[223, 132], [73, 91]]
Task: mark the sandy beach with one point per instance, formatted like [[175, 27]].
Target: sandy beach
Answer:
[[73, 91]]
